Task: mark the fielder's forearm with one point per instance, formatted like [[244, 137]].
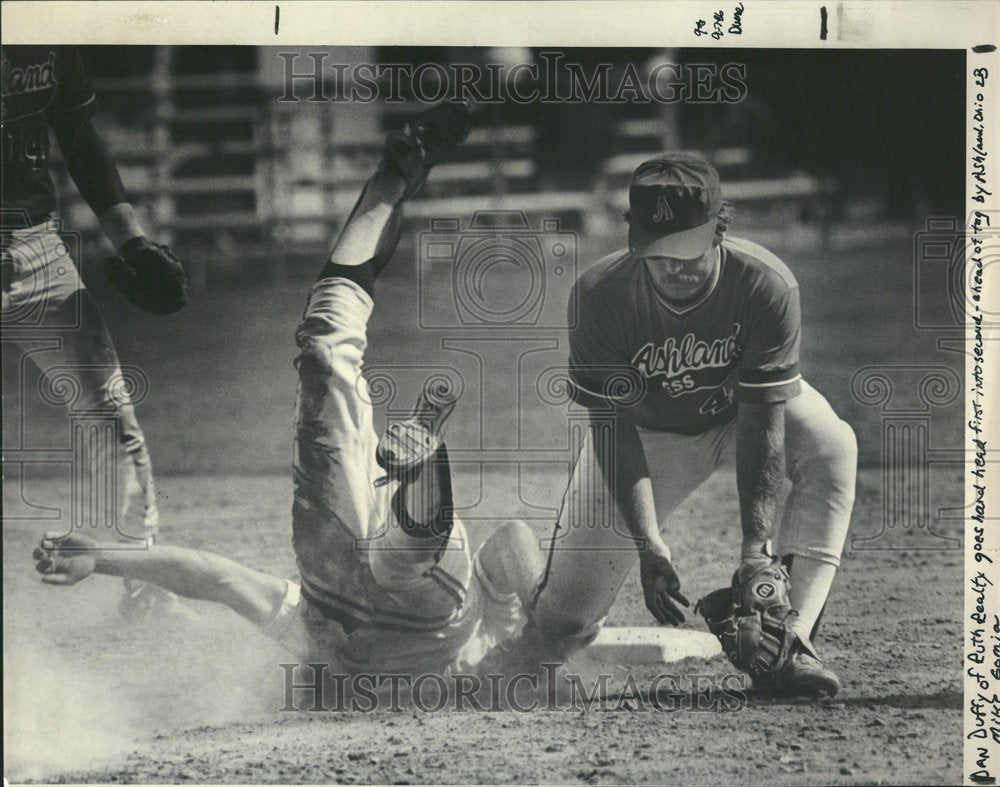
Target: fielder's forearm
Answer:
[[760, 470], [88, 160], [623, 465], [196, 574], [120, 224]]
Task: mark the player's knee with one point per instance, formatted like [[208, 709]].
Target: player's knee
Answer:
[[504, 554], [564, 625], [842, 448], [516, 534], [569, 634], [835, 453]]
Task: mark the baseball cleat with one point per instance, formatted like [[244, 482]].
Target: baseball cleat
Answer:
[[142, 600], [406, 445], [425, 141], [134, 490], [803, 676]]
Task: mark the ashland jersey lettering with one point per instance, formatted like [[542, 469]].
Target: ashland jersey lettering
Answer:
[[740, 342]]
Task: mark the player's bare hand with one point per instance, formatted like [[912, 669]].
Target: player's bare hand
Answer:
[[65, 559], [662, 587]]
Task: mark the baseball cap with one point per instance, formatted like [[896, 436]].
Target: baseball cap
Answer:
[[673, 202]]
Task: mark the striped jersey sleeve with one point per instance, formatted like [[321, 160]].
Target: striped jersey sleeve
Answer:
[[769, 367]]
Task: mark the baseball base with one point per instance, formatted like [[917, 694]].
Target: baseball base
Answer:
[[648, 645]]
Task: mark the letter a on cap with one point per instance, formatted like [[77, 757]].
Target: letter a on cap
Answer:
[[663, 212]]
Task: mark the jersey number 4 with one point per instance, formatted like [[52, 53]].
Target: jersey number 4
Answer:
[[720, 399]]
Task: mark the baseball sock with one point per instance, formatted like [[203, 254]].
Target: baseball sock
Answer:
[[811, 581], [370, 234], [423, 504]]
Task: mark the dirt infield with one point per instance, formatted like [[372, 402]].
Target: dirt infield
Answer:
[[195, 697]]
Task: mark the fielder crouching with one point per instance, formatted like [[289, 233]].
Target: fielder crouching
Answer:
[[705, 329], [388, 584]]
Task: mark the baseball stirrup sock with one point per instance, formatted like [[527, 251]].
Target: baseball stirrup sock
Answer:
[[362, 275], [443, 517], [811, 581]]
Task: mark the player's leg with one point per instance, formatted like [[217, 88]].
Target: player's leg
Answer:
[[421, 557], [508, 566], [821, 460], [104, 389], [337, 503], [42, 279], [592, 551], [510, 562]]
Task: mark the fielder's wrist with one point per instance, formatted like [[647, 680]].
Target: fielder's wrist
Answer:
[[120, 224], [753, 548], [655, 548]]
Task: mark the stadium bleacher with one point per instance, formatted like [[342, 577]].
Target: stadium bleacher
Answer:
[[225, 172]]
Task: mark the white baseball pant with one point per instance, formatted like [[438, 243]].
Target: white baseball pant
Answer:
[[591, 553], [372, 596], [46, 303]]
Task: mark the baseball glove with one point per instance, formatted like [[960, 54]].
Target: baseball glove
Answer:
[[752, 618], [149, 275]]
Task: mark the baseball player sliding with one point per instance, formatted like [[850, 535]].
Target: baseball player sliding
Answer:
[[47, 87], [387, 581], [686, 354]]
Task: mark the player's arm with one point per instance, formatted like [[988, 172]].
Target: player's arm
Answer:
[[760, 470], [593, 361], [768, 377], [624, 469], [147, 273], [191, 573]]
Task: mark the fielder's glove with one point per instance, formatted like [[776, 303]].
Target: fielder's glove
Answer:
[[751, 618], [149, 275]]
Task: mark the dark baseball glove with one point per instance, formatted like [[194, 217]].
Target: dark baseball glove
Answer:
[[149, 275], [751, 618]]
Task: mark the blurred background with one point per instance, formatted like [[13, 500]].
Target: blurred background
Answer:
[[244, 181], [835, 161]]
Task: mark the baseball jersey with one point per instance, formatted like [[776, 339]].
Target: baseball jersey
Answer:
[[39, 83], [684, 369]]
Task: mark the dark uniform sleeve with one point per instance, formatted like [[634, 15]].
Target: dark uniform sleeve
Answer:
[[600, 374], [87, 159], [769, 368], [75, 91]]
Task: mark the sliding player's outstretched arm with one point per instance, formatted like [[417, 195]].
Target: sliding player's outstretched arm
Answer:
[[191, 573]]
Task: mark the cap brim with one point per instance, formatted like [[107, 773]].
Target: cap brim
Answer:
[[684, 245]]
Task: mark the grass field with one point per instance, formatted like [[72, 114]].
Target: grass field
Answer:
[[196, 697]]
